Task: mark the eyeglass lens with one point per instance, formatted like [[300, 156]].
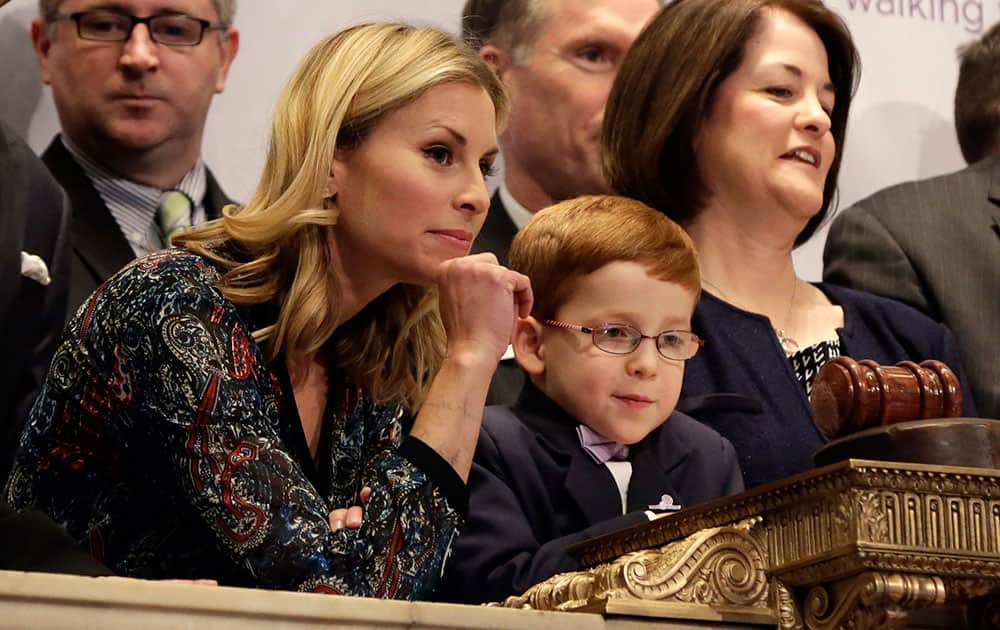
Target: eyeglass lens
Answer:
[[676, 344], [175, 30]]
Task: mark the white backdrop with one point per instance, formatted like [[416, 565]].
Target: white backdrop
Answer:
[[900, 128]]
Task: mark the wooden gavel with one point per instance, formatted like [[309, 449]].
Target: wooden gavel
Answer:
[[849, 395]]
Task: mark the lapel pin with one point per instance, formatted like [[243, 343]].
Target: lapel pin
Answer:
[[666, 503]]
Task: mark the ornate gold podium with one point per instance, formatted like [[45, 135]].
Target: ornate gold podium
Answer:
[[857, 544]]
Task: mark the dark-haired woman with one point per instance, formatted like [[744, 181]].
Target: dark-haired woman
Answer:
[[729, 116]]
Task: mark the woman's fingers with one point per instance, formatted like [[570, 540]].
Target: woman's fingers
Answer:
[[351, 517], [354, 517], [480, 301], [522, 294], [337, 519]]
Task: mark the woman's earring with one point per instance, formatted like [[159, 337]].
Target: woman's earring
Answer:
[[330, 202]]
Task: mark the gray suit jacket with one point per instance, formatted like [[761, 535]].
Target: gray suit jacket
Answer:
[[34, 217], [935, 245]]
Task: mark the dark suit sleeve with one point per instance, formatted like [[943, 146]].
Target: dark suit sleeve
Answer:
[[498, 553], [862, 253], [33, 542]]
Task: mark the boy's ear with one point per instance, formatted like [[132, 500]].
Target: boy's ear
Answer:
[[527, 342]]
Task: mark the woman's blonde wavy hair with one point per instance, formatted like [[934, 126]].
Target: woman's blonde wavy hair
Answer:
[[275, 248]]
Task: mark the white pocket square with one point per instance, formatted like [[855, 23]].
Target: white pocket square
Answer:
[[34, 267]]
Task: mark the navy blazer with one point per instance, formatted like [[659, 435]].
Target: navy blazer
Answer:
[[534, 492], [767, 415]]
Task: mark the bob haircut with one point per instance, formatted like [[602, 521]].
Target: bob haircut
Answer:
[[573, 238], [275, 249], [667, 86]]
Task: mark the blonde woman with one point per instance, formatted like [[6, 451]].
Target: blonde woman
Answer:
[[214, 409]]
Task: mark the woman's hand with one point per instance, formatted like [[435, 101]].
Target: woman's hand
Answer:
[[350, 517], [480, 301]]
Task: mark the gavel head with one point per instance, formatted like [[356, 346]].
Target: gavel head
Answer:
[[849, 396]]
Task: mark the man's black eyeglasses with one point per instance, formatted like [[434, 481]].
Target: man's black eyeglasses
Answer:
[[172, 29]]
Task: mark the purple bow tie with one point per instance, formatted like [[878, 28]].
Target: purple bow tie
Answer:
[[600, 448]]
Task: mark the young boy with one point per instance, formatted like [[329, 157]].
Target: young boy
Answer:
[[593, 443]]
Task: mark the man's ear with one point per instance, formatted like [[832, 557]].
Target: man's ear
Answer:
[[41, 43], [528, 346], [496, 58], [229, 46]]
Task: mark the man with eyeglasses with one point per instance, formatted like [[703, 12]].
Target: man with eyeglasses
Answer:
[[132, 84]]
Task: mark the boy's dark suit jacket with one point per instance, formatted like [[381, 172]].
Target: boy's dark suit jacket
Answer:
[[534, 492], [99, 247]]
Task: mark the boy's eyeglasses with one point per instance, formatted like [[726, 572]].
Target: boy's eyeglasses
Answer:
[[172, 29], [679, 345]]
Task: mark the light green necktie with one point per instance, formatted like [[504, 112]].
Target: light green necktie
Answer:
[[173, 214]]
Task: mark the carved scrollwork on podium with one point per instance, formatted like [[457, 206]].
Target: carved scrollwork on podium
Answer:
[[713, 567], [722, 566], [855, 545], [871, 600]]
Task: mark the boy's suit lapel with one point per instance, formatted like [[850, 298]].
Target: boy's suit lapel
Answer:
[[652, 464], [592, 488], [589, 484]]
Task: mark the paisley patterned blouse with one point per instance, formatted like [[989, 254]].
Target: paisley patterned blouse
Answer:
[[164, 442]]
